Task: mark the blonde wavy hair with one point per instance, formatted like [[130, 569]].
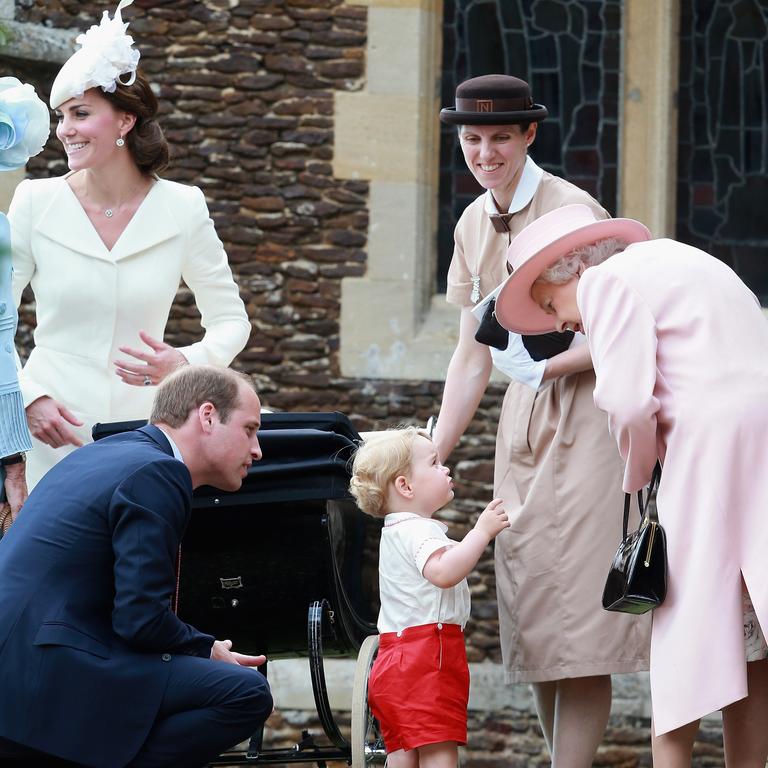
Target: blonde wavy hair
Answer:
[[377, 462]]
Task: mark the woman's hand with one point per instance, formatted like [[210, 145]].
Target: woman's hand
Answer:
[[154, 366], [16, 487], [48, 421], [516, 362]]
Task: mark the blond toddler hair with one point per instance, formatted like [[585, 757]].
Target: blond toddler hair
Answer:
[[378, 461]]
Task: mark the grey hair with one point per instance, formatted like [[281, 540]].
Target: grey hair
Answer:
[[567, 267]]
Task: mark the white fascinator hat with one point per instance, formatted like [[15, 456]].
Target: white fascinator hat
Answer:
[[105, 58]]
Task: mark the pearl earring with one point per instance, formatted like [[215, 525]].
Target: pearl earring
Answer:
[[120, 142]]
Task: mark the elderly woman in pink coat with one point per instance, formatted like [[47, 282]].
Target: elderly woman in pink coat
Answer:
[[680, 349]]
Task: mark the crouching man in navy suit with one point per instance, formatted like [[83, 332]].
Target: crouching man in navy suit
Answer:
[[94, 666]]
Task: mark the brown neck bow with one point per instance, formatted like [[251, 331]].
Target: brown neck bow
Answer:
[[500, 221]]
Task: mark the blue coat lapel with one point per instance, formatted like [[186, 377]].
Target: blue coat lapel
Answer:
[[157, 436]]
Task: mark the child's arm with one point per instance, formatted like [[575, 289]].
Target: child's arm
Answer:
[[449, 565]]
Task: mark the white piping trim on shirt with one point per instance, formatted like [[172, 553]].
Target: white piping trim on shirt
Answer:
[[529, 182]]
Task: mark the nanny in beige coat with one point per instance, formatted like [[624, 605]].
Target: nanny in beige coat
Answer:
[[555, 466], [104, 249]]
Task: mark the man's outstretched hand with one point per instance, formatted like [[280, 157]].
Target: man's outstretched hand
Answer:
[[222, 651]]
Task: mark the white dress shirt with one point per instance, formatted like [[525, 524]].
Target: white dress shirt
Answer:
[[174, 447], [407, 598]]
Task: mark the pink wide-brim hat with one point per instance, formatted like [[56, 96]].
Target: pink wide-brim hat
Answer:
[[540, 245]]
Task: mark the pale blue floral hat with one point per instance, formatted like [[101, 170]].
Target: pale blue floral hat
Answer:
[[25, 123]]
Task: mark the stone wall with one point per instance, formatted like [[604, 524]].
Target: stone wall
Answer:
[[510, 738], [246, 88], [246, 92]]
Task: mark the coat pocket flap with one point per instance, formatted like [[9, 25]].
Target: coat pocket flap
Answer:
[[54, 633]]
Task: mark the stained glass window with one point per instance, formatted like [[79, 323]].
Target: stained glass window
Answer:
[[569, 54], [722, 199]]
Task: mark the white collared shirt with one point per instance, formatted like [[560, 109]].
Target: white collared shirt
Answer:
[[526, 189], [174, 447], [407, 598]]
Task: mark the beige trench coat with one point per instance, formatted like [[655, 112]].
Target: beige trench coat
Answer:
[[557, 469]]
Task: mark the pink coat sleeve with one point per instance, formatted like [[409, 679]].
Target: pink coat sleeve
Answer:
[[621, 332]]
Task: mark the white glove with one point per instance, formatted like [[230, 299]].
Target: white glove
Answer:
[[515, 362]]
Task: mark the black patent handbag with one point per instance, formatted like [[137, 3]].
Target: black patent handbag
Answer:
[[539, 347], [490, 331], [637, 580], [546, 345]]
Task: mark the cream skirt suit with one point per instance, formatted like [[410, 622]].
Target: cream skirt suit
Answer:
[[91, 300]]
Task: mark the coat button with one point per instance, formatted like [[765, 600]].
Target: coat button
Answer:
[[166, 657], [8, 347], [2, 307]]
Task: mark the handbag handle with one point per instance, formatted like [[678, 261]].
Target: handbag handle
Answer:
[[649, 507]]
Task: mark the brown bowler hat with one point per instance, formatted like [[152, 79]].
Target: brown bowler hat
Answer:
[[493, 100]]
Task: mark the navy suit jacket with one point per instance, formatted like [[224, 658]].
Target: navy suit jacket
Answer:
[[86, 578]]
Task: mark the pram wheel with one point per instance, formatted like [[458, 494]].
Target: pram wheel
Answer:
[[366, 742]]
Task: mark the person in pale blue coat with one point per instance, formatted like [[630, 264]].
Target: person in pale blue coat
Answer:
[[24, 129]]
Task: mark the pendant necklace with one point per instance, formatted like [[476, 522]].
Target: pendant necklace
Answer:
[[110, 212]]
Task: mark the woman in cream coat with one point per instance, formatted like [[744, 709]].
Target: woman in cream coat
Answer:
[[104, 249], [680, 347]]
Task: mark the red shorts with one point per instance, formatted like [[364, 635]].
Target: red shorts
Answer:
[[419, 686]]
